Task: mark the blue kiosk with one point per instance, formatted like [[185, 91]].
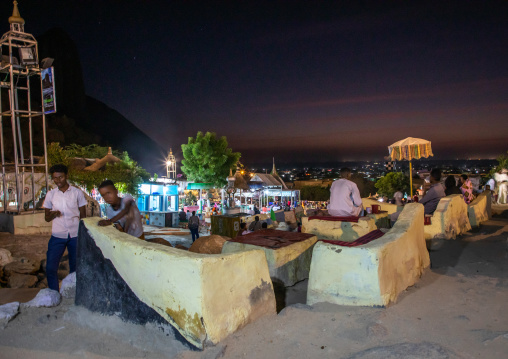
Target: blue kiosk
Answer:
[[158, 203]]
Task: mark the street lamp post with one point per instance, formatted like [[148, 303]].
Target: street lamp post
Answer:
[[171, 166], [231, 189]]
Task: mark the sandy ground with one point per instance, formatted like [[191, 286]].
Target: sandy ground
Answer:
[[457, 310]]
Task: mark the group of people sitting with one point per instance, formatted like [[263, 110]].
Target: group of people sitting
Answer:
[[255, 225], [345, 198]]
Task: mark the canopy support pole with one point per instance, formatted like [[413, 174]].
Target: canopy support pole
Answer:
[[410, 180]]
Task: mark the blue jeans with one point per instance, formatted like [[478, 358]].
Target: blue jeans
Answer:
[[56, 248], [195, 233]]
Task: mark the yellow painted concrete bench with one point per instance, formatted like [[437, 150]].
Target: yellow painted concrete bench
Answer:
[[287, 265], [31, 223], [477, 210], [389, 207], [449, 220], [336, 230], [205, 297], [373, 274]]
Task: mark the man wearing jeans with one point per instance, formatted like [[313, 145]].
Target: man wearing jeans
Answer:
[[65, 206], [194, 226]]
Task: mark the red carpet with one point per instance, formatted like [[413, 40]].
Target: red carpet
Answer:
[[335, 219], [271, 238], [369, 237]]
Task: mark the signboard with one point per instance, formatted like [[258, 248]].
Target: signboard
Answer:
[[48, 90]]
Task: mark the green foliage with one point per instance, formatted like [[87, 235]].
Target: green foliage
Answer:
[[207, 159], [366, 186], [126, 174], [502, 164], [315, 193], [57, 155], [391, 183], [189, 199], [90, 151]]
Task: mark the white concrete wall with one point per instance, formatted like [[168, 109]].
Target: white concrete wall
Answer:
[[478, 210], [373, 274], [287, 265], [31, 223], [449, 220], [336, 230], [205, 297]]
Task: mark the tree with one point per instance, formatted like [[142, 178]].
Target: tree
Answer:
[[207, 159], [391, 183], [126, 174], [366, 186], [315, 193], [502, 164]]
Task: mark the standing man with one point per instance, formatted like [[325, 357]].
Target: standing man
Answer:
[[194, 226], [64, 206], [345, 199]]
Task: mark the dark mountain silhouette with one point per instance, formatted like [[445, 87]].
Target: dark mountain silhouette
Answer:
[[84, 120]]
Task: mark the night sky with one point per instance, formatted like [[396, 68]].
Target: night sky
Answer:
[[302, 81]]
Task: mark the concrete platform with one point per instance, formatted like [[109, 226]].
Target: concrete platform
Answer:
[[449, 220], [373, 274], [204, 297], [287, 265], [336, 230]]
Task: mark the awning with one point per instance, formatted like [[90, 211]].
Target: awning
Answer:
[[200, 186]]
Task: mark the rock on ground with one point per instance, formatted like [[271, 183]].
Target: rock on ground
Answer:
[[5, 257], [7, 312], [45, 298], [209, 244], [17, 280], [158, 240], [23, 265]]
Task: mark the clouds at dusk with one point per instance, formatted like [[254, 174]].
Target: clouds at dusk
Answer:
[[297, 80]]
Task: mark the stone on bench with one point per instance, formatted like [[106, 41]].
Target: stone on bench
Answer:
[[337, 230], [477, 210], [373, 274], [449, 220], [205, 297]]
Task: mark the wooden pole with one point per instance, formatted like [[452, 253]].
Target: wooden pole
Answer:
[[411, 179]]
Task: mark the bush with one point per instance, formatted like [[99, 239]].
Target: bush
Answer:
[[315, 193], [391, 183]]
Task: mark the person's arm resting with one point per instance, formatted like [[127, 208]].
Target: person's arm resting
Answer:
[[123, 212], [357, 198]]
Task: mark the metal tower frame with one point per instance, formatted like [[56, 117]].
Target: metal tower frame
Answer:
[[171, 165], [15, 82]]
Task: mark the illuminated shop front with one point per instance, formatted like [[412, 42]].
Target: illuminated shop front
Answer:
[[158, 203]]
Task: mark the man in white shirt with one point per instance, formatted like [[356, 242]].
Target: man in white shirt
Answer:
[[64, 206], [345, 199]]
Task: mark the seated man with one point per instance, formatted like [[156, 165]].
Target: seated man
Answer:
[[255, 225], [436, 191], [431, 199], [345, 199], [122, 211]]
